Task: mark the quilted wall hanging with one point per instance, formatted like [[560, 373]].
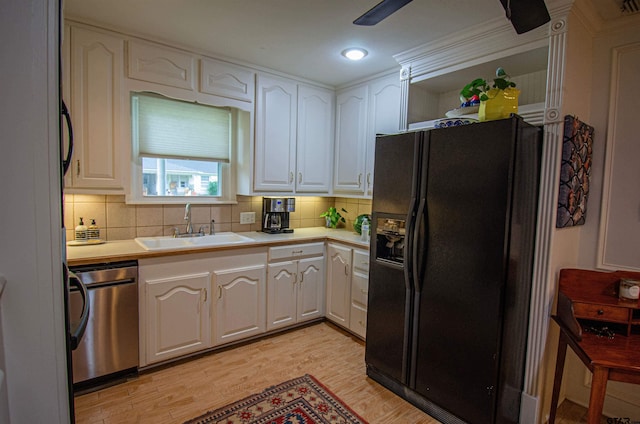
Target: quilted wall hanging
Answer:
[[574, 172]]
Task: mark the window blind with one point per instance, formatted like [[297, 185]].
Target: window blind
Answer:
[[170, 128]]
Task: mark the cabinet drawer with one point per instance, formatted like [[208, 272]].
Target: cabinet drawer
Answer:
[[358, 321], [296, 250], [361, 261], [600, 312]]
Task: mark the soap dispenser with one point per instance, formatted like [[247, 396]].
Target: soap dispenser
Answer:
[[93, 232], [81, 231]]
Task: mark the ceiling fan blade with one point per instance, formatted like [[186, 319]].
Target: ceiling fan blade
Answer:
[[380, 11]]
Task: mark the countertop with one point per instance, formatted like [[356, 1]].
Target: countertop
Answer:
[[122, 250]]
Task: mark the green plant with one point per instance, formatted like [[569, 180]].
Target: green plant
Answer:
[[212, 189], [479, 86], [333, 217], [357, 224]]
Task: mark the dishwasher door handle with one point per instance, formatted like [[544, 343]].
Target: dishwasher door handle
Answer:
[[78, 332]]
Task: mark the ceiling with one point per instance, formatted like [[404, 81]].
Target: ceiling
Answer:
[[297, 37]]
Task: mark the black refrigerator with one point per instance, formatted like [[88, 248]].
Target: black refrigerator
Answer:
[[453, 237]]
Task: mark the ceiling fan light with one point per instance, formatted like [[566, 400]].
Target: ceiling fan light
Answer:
[[354, 53]]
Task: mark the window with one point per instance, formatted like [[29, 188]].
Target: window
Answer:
[[180, 149]]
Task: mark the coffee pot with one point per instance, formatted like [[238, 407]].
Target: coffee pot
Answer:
[[275, 214]]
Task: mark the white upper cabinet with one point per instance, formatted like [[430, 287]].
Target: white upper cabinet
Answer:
[[226, 80], [361, 113], [384, 118], [96, 75], [161, 65], [293, 137], [351, 140], [275, 134], [315, 140]]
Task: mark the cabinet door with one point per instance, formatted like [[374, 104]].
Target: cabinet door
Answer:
[[240, 303], [384, 118], [311, 287], [226, 80], [162, 65], [338, 284], [177, 320], [350, 142], [314, 140], [275, 147], [96, 75], [281, 294]]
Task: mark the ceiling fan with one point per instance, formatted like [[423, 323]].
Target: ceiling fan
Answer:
[[524, 15], [380, 11]]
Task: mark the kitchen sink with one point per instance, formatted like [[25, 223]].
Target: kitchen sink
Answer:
[[170, 242]]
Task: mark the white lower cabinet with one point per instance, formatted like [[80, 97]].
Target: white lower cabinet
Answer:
[[359, 292], [178, 320], [194, 302], [295, 287], [347, 287], [240, 303], [189, 303], [338, 283]]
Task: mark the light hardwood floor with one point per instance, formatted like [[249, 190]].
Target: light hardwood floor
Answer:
[[185, 390]]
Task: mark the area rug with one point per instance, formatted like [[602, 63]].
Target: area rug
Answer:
[[303, 400]]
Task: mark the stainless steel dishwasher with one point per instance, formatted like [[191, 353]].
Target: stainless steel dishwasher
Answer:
[[109, 348]]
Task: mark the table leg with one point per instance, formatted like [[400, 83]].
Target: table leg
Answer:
[[557, 379], [598, 391]]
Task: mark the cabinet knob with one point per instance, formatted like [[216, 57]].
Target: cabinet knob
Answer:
[[600, 312]]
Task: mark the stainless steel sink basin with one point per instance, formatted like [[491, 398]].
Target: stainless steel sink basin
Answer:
[[169, 242]]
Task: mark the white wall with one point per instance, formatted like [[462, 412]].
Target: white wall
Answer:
[[585, 94], [30, 236], [623, 400]]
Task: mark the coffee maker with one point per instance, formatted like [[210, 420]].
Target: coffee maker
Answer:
[[275, 214]]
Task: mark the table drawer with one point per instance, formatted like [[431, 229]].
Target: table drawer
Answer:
[[296, 250], [600, 312]]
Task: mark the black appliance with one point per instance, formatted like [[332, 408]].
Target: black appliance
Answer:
[[275, 214], [75, 324], [454, 220]]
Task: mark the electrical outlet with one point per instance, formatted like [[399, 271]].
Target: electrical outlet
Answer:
[[247, 217]]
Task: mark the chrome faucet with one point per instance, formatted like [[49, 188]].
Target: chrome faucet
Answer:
[[187, 217]]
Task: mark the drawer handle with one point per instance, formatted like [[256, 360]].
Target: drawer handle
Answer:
[[364, 291], [600, 312]]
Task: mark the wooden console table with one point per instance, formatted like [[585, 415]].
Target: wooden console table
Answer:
[[587, 299]]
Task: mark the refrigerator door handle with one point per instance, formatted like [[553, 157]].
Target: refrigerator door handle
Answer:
[[409, 242], [416, 244], [78, 332], [66, 162]]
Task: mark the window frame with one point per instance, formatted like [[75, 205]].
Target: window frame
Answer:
[[228, 171]]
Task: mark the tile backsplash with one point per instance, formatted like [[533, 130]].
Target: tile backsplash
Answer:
[[120, 221]]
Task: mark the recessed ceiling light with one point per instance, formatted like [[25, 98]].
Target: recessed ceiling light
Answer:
[[354, 53]]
